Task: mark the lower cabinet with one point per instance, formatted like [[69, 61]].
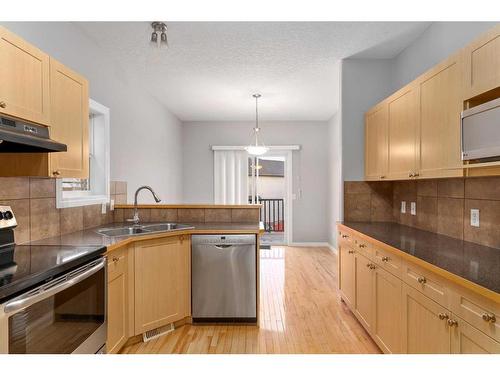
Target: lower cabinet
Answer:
[[425, 324], [162, 282], [347, 274], [118, 300], [363, 305], [465, 339]]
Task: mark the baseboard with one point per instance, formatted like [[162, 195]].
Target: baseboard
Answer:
[[333, 249]]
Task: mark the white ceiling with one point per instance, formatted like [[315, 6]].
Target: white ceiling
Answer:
[[211, 69]]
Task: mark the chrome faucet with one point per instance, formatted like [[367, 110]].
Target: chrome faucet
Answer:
[[135, 219]]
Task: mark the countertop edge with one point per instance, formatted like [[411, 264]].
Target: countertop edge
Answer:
[[485, 292]]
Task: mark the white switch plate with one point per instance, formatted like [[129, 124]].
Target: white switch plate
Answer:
[[474, 217], [111, 204], [103, 208], [403, 207], [413, 208]]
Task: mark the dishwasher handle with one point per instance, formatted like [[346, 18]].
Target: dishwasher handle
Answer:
[[222, 247]]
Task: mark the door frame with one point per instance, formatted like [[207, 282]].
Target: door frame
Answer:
[[287, 152]]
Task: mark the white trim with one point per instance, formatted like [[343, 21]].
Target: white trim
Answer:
[[271, 148], [84, 198], [333, 249]]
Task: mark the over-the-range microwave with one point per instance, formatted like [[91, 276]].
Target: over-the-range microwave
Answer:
[[481, 131]]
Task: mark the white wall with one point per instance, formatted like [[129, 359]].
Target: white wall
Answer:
[[364, 83], [439, 40], [310, 166], [269, 187], [146, 143]]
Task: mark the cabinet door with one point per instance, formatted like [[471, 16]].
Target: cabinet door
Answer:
[[24, 79], [376, 144], [386, 327], [363, 306], [69, 121], [424, 332], [162, 282], [440, 107], [468, 340], [346, 274], [117, 301], [482, 64], [403, 122]]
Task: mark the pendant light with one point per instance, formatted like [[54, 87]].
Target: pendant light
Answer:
[[256, 149]]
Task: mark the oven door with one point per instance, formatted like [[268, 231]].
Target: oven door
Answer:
[[66, 315]]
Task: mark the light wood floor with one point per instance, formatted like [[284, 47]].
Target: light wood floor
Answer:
[[300, 309]]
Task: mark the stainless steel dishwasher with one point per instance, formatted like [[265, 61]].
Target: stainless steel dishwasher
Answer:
[[224, 281]]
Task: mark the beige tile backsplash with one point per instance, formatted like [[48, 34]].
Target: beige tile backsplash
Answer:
[[33, 201], [443, 205]]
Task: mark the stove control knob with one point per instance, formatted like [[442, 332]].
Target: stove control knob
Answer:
[[8, 215], [1, 215]]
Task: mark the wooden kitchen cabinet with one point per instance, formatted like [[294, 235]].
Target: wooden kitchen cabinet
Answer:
[[347, 274], [162, 282], [118, 300], [376, 143], [363, 302], [482, 64], [24, 79], [424, 324], [440, 104], [386, 326], [402, 134], [69, 123], [465, 339]]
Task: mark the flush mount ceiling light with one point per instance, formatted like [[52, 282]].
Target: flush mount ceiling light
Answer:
[[256, 149], [159, 34]]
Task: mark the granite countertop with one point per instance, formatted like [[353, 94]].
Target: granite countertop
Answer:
[[90, 237], [473, 262]]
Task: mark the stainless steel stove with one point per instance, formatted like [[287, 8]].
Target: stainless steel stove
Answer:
[[52, 298]]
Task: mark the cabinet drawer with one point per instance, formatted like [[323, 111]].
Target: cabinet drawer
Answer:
[[364, 247], [387, 260], [480, 312], [426, 282], [344, 237], [116, 263]]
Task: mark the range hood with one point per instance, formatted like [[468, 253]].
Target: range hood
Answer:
[[21, 137]]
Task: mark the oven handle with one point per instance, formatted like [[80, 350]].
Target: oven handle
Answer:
[[56, 286]]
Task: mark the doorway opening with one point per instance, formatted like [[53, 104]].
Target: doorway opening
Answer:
[[269, 184]]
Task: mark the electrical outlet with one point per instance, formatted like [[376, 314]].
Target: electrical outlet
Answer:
[[403, 207], [474, 217], [413, 208], [103, 208]]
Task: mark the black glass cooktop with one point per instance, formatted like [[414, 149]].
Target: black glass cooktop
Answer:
[[24, 266]]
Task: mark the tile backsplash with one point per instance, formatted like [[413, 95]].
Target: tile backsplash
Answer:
[[442, 205], [33, 201]]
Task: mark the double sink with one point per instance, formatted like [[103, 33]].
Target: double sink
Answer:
[[137, 229]]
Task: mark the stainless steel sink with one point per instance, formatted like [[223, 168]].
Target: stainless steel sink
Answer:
[[133, 230]]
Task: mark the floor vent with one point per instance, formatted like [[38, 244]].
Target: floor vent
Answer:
[[157, 332]]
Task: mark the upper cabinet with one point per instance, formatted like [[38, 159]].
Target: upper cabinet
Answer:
[[376, 150], [69, 99], [24, 79], [422, 124], [36, 88], [482, 64]]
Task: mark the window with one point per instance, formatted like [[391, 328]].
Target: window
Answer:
[[74, 192]]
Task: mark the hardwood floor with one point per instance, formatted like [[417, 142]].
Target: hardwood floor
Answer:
[[300, 309]]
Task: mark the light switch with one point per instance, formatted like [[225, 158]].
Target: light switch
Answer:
[[403, 207], [474, 217], [111, 204], [413, 208], [103, 208]]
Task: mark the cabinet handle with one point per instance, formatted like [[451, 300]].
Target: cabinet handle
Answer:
[[416, 174], [115, 259], [368, 265], [487, 317], [382, 177], [372, 266], [385, 259], [345, 236], [443, 316], [56, 173], [362, 245], [350, 251], [3, 105], [422, 280], [452, 323], [410, 174]]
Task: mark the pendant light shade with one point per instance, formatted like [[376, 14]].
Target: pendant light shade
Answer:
[[256, 149]]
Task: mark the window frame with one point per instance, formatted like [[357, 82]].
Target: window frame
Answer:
[[86, 198]]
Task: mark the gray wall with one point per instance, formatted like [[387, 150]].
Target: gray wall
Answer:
[[438, 41], [335, 194], [145, 136], [310, 166]]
